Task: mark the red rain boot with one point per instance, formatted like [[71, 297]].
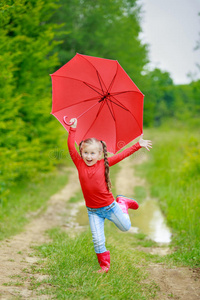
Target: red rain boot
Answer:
[[104, 261], [126, 203]]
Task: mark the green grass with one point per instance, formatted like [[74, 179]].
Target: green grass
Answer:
[[173, 172], [72, 265], [27, 199]]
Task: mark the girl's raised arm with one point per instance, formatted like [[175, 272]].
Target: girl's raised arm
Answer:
[[71, 142], [127, 152]]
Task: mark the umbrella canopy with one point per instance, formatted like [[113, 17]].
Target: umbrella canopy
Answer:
[[102, 96]]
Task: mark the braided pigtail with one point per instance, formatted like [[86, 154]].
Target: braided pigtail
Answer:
[[80, 148], [106, 164]]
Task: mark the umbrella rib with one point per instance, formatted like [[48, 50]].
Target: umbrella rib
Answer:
[[114, 94], [112, 82], [130, 113], [99, 77], [114, 120], [101, 106], [119, 93], [87, 110], [95, 70], [110, 110], [72, 78], [118, 104], [90, 86], [86, 100]]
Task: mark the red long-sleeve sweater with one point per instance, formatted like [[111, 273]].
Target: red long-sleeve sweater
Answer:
[[92, 178]]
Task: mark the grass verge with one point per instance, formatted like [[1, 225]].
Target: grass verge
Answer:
[[173, 172], [26, 200]]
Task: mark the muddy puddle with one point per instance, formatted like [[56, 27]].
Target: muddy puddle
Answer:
[[148, 219]]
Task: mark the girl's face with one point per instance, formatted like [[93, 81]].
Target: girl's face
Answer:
[[90, 154]]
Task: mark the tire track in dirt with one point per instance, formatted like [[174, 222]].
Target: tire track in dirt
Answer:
[[16, 258], [174, 282]]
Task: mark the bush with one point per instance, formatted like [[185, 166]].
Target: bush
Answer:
[[28, 132]]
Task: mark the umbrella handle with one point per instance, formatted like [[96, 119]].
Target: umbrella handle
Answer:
[[67, 123]]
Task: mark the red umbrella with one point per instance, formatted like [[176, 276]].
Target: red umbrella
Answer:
[[102, 96]]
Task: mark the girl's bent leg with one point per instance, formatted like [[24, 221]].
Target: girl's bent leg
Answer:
[[126, 203], [97, 229], [118, 217]]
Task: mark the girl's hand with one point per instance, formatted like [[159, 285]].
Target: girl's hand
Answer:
[[74, 122], [145, 143]]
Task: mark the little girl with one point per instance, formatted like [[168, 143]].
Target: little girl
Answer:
[[96, 187]]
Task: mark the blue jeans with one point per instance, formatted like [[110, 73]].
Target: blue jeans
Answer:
[[97, 217]]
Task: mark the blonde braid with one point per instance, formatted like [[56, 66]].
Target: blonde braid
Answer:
[[80, 147], [106, 164]]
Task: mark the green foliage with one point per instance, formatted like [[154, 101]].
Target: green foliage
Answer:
[[159, 99], [164, 101], [28, 132], [187, 104], [103, 28]]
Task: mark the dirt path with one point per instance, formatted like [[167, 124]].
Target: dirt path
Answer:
[[17, 259]]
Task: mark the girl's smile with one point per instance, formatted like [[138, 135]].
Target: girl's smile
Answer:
[[91, 154]]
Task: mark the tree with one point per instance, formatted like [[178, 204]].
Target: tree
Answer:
[[26, 41], [159, 99], [103, 28]]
